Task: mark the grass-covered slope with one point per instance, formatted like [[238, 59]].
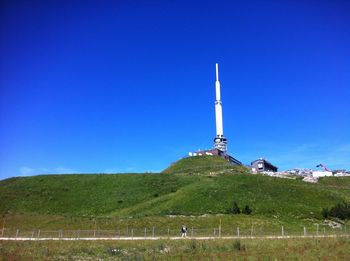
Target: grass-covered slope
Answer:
[[174, 192], [85, 194], [267, 196]]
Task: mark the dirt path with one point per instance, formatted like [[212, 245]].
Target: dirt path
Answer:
[[164, 238]]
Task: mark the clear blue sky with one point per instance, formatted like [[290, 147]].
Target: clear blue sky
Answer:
[[129, 86]]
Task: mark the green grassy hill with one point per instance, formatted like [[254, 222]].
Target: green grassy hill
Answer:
[[199, 165], [177, 191], [204, 165]]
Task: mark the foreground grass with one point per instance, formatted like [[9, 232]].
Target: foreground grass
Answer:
[[248, 249], [205, 225]]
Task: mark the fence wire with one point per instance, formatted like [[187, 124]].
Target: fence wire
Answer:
[[153, 232]]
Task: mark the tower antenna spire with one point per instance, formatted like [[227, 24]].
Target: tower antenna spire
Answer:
[[217, 72], [220, 142]]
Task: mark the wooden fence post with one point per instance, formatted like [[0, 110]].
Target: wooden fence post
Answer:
[[3, 228]]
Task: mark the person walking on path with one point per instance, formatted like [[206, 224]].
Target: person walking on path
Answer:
[[184, 231]]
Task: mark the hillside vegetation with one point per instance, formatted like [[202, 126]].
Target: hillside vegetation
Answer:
[[248, 249], [192, 186], [199, 165]]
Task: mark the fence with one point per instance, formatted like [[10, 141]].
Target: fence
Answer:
[[153, 233]]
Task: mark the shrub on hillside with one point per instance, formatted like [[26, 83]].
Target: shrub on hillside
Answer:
[[341, 210], [247, 210], [235, 209], [325, 212]]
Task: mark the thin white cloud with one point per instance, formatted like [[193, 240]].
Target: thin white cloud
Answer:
[[120, 170], [309, 155], [64, 170], [111, 170], [344, 148], [26, 171], [306, 155]]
